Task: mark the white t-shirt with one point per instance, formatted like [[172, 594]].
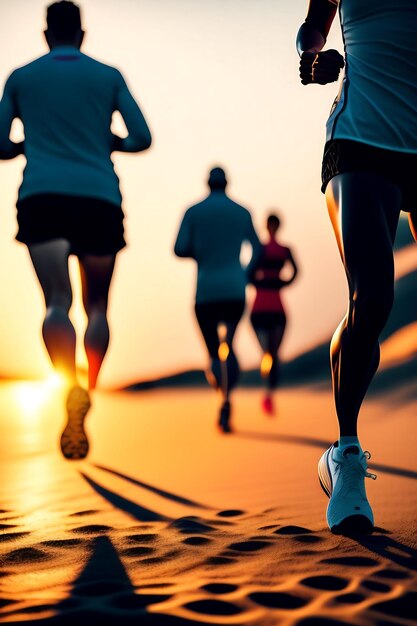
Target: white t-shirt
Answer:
[[65, 100], [377, 103]]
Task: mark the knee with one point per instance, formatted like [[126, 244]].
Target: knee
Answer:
[[96, 308], [370, 309], [59, 301]]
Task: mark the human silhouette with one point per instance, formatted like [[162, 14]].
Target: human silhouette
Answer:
[[368, 177], [212, 233], [69, 201], [268, 316]]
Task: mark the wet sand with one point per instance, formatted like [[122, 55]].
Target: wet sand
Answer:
[[169, 523]]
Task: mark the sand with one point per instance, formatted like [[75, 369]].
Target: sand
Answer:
[[168, 522]]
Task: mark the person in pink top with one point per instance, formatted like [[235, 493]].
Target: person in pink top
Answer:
[[268, 315]]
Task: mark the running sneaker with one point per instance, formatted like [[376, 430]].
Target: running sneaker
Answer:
[[74, 442], [268, 406], [224, 418], [342, 476]]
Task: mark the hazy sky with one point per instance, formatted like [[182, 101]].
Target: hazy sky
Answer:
[[218, 83]]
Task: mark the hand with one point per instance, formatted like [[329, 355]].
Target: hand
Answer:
[[117, 143], [320, 67]]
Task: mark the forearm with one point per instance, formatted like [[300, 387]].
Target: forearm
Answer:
[[309, 39], [132, 143]]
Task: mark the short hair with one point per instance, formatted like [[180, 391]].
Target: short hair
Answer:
[[273, 221], [217, 178], [63, 19]]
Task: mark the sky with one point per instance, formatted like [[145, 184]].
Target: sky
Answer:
[[218, 83]]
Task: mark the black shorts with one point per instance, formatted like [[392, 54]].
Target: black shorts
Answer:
[[211, 314], [342, 155], [92, 226], [267, 320]]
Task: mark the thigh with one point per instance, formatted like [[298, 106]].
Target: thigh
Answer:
[[230, 314], [276, 335], [208, 322], [96, 275], [50, 261], [364, 209]]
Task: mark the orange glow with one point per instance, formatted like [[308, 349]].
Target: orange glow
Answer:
[[266, 364], [224, 351], [400, 347]]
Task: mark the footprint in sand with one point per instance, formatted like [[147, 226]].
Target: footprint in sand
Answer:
[[196, 541], [278, 600], [26, 555], [191, 525], [372, 585], [138, 551], [249, 546], [293, 530], [213, 607], [142, 538], [81, 513], [395, 574], [348, 598], [351, 561], [13, 536], [92, 528], [162, 559], [230, 513], [220, 588], [326, 583], [220, 560], [403, 607], [63, 543]]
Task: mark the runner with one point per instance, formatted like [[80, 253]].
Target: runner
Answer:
[[268, 315], [368, 177], [212, 233], [69, 201]]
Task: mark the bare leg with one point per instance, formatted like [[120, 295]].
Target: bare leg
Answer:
[[270, 341], [50, 261], [96, 274], [364, 210]]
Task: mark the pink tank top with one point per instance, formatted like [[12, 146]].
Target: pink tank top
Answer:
[[266, 278]]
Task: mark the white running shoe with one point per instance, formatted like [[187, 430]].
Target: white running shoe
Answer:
[[342, 476]]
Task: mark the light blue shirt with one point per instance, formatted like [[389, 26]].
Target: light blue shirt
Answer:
[[65, 100], [377, 104], [212, 232]]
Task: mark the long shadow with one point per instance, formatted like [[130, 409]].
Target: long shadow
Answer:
[[389, 548], [323, 445], [139, 512], [160, 492], [103, 594]]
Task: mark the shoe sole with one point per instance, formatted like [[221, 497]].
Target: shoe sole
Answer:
[[352, 525], [74, 448]]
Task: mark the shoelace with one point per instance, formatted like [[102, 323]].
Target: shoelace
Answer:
[[353, 470]]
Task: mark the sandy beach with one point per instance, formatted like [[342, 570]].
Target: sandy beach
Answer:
[[168, 522]]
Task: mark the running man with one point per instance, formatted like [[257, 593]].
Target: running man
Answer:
[[69, 201], [268, 315], [212, 233], [368, 176]]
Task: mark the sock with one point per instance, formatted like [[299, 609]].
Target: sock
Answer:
[[349, 441]]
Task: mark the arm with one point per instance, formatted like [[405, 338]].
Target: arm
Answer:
[[139, 137], [184, 244], [8, 149], [253, 239], [291, 261], [317, 66]]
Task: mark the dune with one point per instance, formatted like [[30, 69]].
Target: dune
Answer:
[[170, 523]]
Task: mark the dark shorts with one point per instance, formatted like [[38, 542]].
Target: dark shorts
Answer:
[[342, 156], [267, 320], [211, 314], [92, 226]]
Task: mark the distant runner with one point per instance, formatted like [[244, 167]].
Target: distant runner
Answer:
[[212, 233], [368, 176], [268, 315], [69, 201]]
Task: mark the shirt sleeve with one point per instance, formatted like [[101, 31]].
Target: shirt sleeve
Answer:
[[184, 244], [8, 111], [139, 137]]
